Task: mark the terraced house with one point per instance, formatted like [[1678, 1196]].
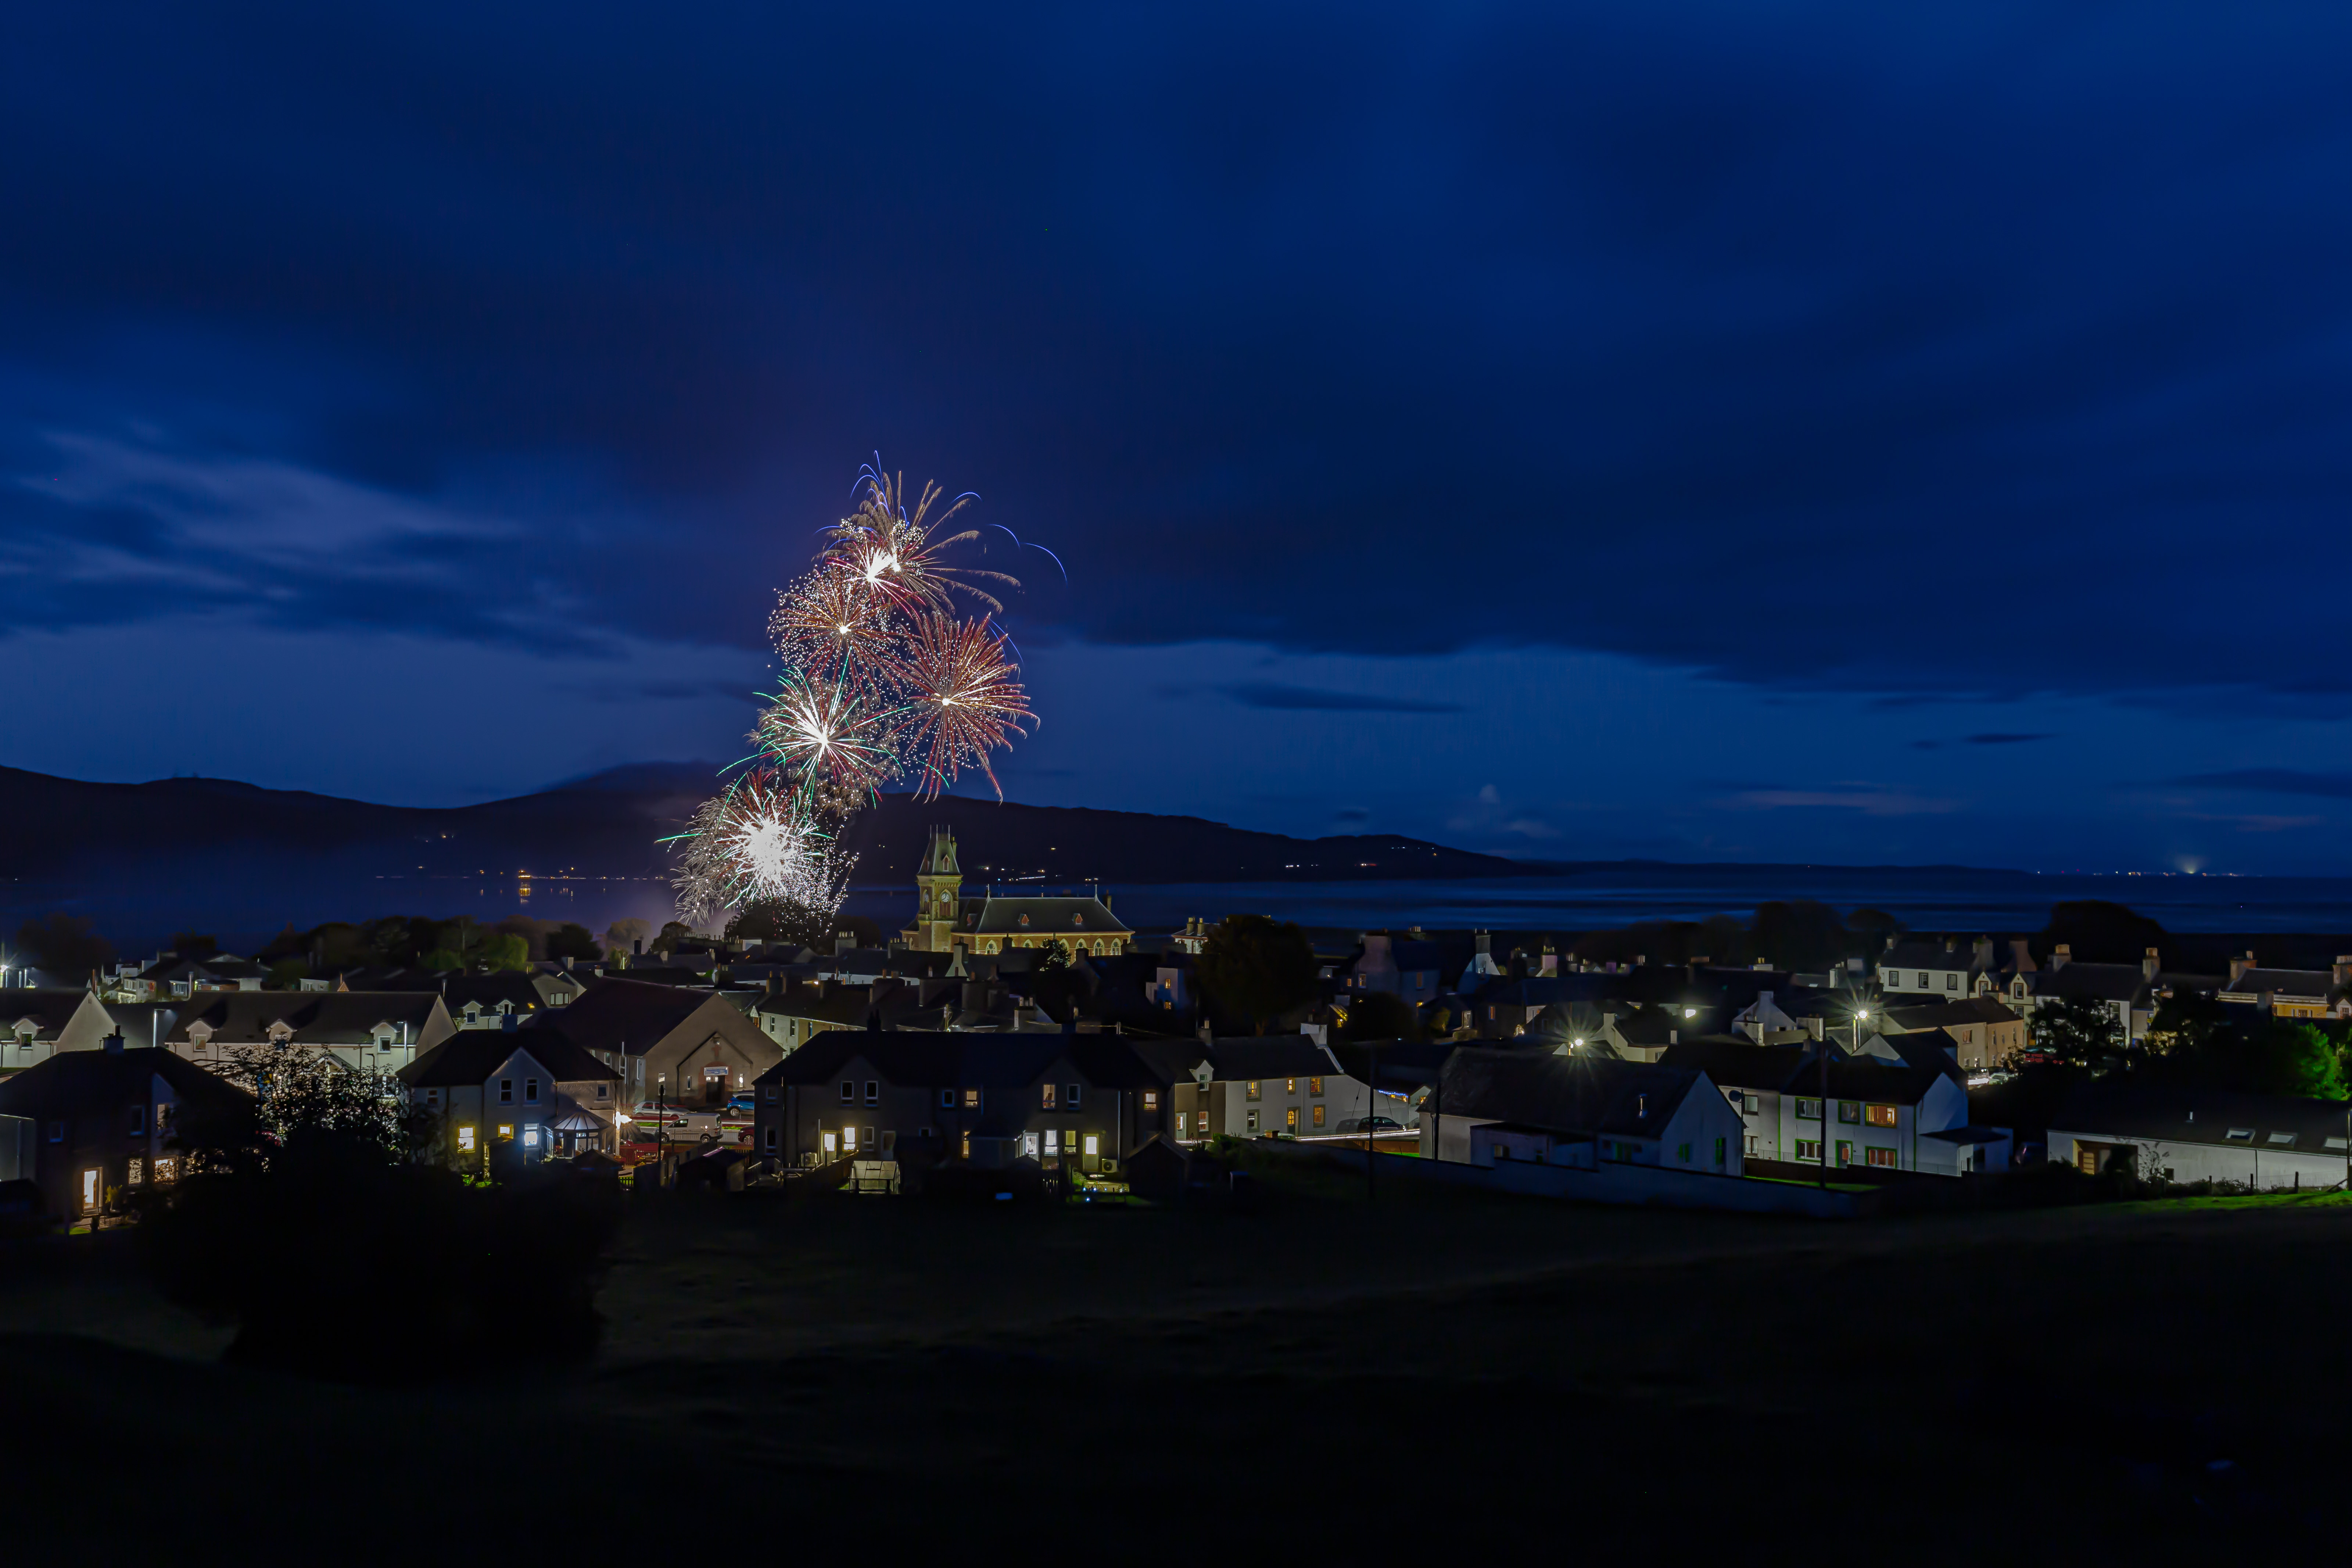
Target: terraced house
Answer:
[[1081, 1100]]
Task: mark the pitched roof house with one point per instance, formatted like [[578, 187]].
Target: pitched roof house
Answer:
[[106, 1121], [686, 1045], [1579, 1110], [529, 1088]]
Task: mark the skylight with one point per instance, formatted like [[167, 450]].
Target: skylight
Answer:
[[2282, 1137], [2241, 1134]]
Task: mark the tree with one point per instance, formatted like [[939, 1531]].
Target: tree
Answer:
[[572, 940], [505, 950], [1054, 954], [285, 972], [65, 946], [303, 1094], [1801, 933], [1256, 967], [2077, 1031], [194, 944], [1378, 1015], [622, 935], [1867, 931], [2097, 931]]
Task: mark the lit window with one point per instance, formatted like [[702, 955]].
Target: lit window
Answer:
[[530, 1136], [1314, 1086], [138, 1171], [1319, 1116], [1290, 1085], [1808, 1149], [1092, 1144], [1290, 1119], [1881, 1157], [829, 1142], [1047, 1094], [1878, 1115], [465, 1138], [507, 1131], [1253, 1089], [971, 1100], [1151, 1099]]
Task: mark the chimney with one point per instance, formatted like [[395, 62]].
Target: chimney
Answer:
[[113, 1044], [637, 946], [567, 963], [1483, 940], [2149, 964], [2061, 956], [2021, 955], [2238, 966], [2342, 969]]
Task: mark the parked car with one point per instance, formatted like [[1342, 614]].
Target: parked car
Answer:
[[652, 1115]]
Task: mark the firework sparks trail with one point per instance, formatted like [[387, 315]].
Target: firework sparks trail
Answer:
[[964, 700], [897, 556], [754, 844], [827, 622]]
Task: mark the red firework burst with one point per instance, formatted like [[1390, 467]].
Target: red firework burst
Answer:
[[964, 699], [893, 557]]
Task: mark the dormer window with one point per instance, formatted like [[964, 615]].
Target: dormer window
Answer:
[[1025, 920], [1079, 919]]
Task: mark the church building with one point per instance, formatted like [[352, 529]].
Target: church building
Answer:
[[946, 920]]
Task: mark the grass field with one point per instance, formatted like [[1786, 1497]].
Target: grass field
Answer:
[[1438, 1371]]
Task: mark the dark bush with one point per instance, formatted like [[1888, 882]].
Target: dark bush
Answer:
[[338, 1266]]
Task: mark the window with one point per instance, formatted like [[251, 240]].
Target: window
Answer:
[[1951, 983], [1499, 1151], [506, 1091], [772, 1140], [1315, 1086], [1072, 1101], [848, 1093], [1849, 1111], [1290, 1119], [1809, 1149], [1253, 1090], [507, 1131], [1719, 1152], [603, 1091], [1151, 1099], [531, 1090], [530, 1136], [1047, 1096], [139, 1124], [1181, 1119], [1682, 1153], [873, 1093], [831, 1141], [2277, 1139], [1290, 1085], [1879, 1115], [947, 1099], [971, 1100], [57, 1132], [1883, 1158], [465, 1138], [166, 1168], [1319, 1116], [433, 1098], [138, 1171], [2241, 1134], [1252, 1121], [1809, 1111], [1845, 1153]]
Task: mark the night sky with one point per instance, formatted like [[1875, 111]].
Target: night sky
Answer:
[[1860, 433]]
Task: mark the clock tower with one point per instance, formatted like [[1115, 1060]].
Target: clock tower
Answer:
[[941, 882]]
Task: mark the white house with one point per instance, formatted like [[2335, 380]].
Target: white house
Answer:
[[1581, 1110], [2263, 1142]]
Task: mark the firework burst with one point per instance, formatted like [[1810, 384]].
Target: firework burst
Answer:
[[897, 556], [882, 678], [964, 699], [833, 742]]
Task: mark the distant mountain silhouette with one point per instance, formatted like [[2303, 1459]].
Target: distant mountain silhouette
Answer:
[[183, 831]]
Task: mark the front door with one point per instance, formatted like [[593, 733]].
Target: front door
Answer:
[[89, 1191], [714, 1085]]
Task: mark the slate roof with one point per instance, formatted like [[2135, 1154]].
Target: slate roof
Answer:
[[1242, 1057], [49, 1009], [2092, 982], [908, 1058], [75, 1083], [618, 1015], [1577, 1094], [2315, 984], [1929, 953], [316, 1018], [471, 1057], [1949, 1015], [1001, 917], [2202, 1116], [1742, 1066]]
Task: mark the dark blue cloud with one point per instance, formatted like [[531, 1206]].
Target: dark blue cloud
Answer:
[[1971, 349], [2275, 781], [2006, 738], [1277, 695]]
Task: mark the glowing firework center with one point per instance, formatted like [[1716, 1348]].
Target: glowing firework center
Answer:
[[884, 677]]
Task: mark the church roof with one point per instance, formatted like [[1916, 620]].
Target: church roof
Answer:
[[940, 855], [1025, 917]]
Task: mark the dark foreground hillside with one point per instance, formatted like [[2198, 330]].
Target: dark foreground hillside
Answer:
[[1443, 1377]]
